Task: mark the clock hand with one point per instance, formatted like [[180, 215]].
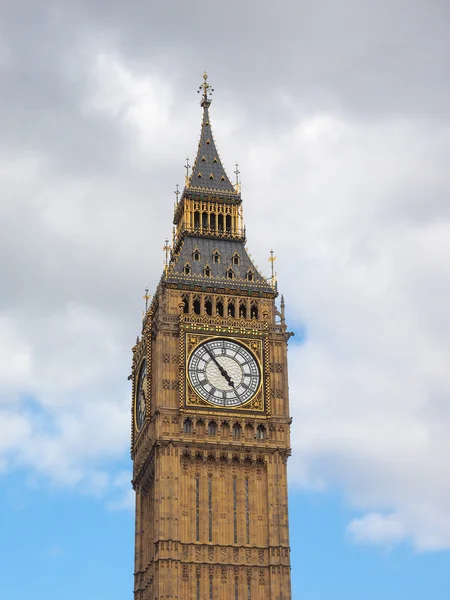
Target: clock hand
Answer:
[[221, 369]]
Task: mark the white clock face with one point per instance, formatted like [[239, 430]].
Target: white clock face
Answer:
[[224, 372]]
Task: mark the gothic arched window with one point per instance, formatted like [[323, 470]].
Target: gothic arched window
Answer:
[[196, 220], [185, 299], [187, 269], [187, 426], [196, 305]]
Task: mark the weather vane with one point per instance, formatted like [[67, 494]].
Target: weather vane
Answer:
[[146, 297], [272, 258], [206, 90]]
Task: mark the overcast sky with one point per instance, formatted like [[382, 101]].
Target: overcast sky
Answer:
[[338, 114]]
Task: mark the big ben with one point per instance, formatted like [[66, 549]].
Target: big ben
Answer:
[[210, 407]]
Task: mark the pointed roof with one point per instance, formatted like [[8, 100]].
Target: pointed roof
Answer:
[[208, 172]]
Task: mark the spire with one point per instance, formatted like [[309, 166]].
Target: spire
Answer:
[[208, 172]]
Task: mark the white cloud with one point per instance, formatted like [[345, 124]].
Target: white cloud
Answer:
[[362, 264], [375, 528], [141, 102], [358, 215], [15, 355]]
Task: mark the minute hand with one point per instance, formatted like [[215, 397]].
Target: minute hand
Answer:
[[221, 369]]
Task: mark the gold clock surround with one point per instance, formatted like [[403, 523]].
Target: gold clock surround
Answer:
[[192, 341]]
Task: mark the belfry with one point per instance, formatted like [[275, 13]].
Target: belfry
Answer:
[[210, 433]]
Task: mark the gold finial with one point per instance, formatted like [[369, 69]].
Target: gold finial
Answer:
[[237, 185], [177, 191], [187, 166], [146, 297], [167, 248], [205, 85], [272, 259], [206, 90]]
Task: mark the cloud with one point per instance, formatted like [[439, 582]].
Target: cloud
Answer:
[[375, 528], [339, 121], [371, 286], [15, 355]]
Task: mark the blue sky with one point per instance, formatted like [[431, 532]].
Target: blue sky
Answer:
[[75, 547], [337, 114]]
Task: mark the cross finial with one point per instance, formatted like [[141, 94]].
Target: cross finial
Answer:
[[167, 248], [187, 166], [146, 297], [206, 90], [237, 173], [177, 193], [272, 259]]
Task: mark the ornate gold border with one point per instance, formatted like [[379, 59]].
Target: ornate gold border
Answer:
[[191, 339]]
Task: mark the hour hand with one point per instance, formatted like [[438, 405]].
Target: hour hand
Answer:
[[225, 374]]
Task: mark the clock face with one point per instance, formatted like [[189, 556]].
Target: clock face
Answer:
[[224, 372], [140, 405]]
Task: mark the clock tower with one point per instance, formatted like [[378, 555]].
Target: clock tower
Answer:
[[210, 410]]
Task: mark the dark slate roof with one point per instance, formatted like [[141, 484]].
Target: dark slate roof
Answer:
[[226, 249], [208, 163]]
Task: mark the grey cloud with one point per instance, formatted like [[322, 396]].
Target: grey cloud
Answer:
[[357, 57], [338, 114]]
